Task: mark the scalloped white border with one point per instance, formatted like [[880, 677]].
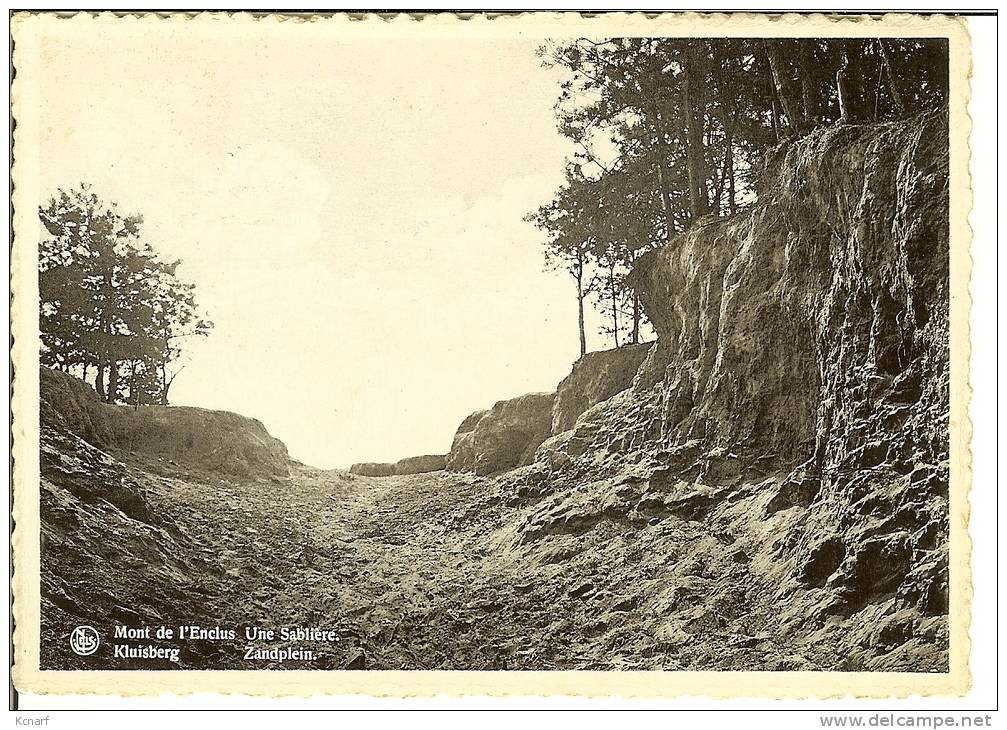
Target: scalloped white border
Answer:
[[27, 30]]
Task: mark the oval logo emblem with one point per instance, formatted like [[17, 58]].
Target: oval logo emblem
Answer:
[[84, 640]]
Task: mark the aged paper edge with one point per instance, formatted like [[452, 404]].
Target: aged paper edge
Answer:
[[27, 29]]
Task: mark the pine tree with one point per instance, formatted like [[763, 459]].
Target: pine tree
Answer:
[[108, 302]]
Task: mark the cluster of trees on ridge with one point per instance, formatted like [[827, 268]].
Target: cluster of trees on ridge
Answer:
[[671, 130], [111, 311]]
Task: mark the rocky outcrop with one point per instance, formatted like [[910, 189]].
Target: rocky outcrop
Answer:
[[421, 464], [816, 323], [409, 465], [503, 437], [217, 441], [796, 402], [508, 435], [373, 469], [813, 332], [462, 456], [595, 377]]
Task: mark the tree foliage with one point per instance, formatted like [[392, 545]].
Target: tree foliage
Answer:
[[108, 303], [670, 130]]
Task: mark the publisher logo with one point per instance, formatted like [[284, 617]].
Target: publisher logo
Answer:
[[84, 640]]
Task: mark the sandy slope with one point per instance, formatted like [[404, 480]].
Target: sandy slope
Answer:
[[431, 571], [382, 561]]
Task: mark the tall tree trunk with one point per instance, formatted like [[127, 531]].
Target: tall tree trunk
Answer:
[[843, 94], [162, 396], [849, 84], [579, 276], [809, 92], [99, 381], [731, 192], [102, 343], [718, 193], [877, 89], [636, 319], [615, 304], [893, 84], [663, 156], [795, 119], [131, 384], [774, 112], [694, 113], [167, 382], [727, 171], [774, 104], [113, 381]]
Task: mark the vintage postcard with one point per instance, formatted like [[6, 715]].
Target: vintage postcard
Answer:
[[533, 353]]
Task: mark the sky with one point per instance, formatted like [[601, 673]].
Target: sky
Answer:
[[349, 211]]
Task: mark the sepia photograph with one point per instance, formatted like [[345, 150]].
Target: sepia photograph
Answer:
[[369, 345]]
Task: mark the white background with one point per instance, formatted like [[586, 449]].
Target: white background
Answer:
[[983, 697]]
